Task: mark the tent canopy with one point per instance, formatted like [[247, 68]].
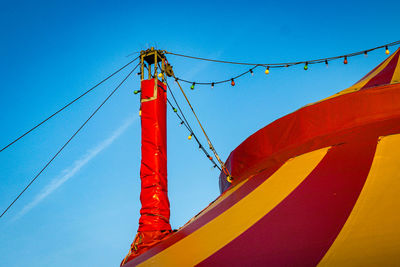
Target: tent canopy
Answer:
[[317, 187]]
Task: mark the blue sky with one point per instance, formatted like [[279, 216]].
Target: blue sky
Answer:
[[84, 209]]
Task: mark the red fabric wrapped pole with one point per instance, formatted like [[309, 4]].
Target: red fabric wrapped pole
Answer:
[[153, 170], [154, 215]]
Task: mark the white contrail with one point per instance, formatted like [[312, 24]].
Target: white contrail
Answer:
[[78, 164]]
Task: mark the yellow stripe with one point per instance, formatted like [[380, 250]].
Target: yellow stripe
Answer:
[[396, 74], [360, 84], [371, 235], [204, 242], [229, 192], [364, 81]]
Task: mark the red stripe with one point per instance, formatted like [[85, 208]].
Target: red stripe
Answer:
[[375, 68], [300, 230], [313, 123], [310, 130], [384, 76], [372, 131], [231, 200], [371, 72]]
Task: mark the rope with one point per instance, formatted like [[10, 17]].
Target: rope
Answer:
[[224, 169], [67, 105], [188, 127], [180, 110], [69, 140], [131, 54], [222, 81], [313, 61], [273, 65]]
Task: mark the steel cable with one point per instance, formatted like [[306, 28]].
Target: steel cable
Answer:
[[69, 140]]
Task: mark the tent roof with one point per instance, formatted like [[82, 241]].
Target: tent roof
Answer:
[[369, 100], [387, 72], [317, 186]]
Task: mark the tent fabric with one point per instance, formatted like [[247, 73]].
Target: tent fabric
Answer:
[[387, 72], [316, 187], [374, 218], [310, 122], [298, 221], [309, 127]]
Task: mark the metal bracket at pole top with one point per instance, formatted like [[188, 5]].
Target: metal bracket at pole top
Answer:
[[151, 57]]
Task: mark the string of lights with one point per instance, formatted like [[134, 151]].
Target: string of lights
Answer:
[[212, 148], [268, 66], [183, 121]]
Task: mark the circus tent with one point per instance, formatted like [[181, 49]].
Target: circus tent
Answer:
[[317, 187]]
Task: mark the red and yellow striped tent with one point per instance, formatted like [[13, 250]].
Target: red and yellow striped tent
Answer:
[[319, 186]]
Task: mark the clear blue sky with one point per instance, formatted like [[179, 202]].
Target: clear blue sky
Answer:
[[84, 209]]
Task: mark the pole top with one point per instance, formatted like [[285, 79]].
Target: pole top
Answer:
[[150, 54]]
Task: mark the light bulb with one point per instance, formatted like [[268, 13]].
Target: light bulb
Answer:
[[306, 66], [232, 82], [387, 52], [192, 87], [267, 70], [345, 60]]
